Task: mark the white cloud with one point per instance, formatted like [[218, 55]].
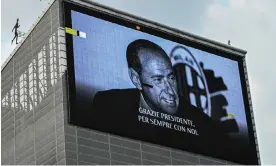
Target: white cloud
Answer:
[[250, 25], [237, 3]]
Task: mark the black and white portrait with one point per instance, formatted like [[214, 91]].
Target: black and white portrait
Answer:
[[141, 86]]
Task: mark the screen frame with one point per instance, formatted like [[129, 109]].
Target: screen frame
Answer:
[[71, 89]]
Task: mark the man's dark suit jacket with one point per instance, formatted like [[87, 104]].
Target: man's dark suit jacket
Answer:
[[117, 111]]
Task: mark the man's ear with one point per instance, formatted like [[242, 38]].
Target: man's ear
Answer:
[[134, 76]]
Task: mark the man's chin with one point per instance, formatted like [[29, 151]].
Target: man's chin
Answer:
[[170, 110]]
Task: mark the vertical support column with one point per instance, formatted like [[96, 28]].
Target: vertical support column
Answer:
[[56, 44], [34, 72], [9, 99], [17, 94], [27, 95], [48, 73], [13, 82], [36, 78]]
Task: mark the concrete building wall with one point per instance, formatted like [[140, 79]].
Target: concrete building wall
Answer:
[[34, 112]]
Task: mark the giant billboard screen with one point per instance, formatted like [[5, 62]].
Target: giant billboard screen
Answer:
[[142, 83]]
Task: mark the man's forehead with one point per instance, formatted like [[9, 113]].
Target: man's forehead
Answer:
[[164, 71], [153, 56], [156, 67]]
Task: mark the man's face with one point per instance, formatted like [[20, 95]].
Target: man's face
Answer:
[[158, 72]]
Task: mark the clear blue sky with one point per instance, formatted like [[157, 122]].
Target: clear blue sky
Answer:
[[249, 24]]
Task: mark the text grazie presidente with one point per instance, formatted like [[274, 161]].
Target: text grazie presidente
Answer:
[[165, 116]]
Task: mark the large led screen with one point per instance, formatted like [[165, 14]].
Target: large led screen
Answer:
[[144, 84]]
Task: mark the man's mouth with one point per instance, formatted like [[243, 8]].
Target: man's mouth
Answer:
[[170, 102]]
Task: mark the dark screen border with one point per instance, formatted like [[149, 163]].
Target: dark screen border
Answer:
[[73, 117]]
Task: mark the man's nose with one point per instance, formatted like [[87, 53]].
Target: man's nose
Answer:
[[169, 88]]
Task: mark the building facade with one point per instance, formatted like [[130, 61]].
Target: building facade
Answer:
[[34, 109]]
